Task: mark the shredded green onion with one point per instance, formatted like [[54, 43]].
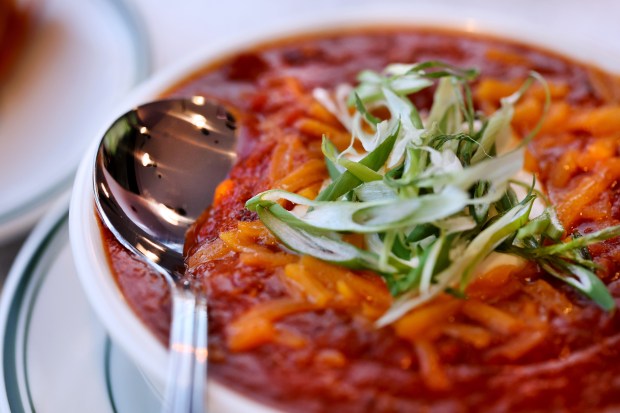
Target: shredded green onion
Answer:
[[433, 194]]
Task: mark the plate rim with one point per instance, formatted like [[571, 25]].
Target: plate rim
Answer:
[[15, 287]]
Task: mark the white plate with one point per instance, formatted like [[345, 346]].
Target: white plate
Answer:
[[83, 57], [56, 357]]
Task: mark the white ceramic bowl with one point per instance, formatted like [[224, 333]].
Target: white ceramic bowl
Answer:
[[123, 325]]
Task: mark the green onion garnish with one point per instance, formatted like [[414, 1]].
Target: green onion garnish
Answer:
[[432, 194]]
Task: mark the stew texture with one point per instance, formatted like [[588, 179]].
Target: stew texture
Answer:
[[299, 334]]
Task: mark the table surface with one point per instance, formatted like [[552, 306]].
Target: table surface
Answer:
[[177, 28]]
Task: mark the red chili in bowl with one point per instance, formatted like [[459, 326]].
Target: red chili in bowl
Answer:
[[298, 334]]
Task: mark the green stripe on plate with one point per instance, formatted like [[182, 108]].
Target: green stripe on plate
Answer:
[[46, 248]]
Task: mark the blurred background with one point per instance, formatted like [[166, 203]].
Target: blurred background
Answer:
[[79, 58]]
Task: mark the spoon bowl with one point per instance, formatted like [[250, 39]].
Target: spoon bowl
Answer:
[[150, 186], [150, 173]]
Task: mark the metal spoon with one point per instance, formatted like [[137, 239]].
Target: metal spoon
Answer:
[[156, 170]]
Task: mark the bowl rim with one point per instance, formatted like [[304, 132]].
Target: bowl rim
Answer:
[[123, 325]]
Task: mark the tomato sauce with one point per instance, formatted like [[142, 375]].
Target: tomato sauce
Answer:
[[343, 363]]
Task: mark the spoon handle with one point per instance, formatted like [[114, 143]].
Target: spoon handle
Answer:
[[202, 353], [188, 354]]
